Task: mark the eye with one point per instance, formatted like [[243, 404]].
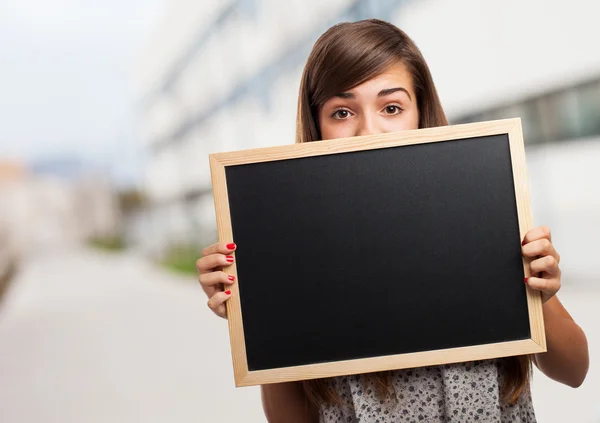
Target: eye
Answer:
[[393, 109], [341, 114]]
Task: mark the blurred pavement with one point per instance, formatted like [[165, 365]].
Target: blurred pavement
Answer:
[[93, 337]]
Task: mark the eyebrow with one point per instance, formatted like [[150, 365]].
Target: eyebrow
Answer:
[[381, 93]]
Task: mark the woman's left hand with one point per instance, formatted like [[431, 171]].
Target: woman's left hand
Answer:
[[544, 270]]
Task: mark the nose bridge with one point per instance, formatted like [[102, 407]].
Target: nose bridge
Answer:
[[368, 125]]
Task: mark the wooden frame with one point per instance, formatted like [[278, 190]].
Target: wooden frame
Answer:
[[218, 163]]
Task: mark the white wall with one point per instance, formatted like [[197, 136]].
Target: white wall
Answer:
[[565, 195], [482, 53]]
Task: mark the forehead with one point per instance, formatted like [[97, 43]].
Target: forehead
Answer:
[[396, 75]]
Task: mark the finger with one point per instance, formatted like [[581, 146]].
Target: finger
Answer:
[[546, 264], [217, 303], [219, 247], [537, 233], [547, 286], [540, 247], [214, 278], [211, 281], [209, 263]]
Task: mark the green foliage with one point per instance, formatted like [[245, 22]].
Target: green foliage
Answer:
[[182, 258], [108, 242]]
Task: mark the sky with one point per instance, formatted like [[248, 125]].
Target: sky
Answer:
[[66, 70]]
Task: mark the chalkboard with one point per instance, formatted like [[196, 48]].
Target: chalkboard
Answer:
[[380, 252]]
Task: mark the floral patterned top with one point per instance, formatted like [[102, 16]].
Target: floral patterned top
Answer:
[[462, 392]]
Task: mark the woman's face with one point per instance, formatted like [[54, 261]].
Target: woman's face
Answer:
[[386, 103]]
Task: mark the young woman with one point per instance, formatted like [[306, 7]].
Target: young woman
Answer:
[[365, 78]]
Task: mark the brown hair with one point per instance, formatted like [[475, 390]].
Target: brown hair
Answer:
[[345, 56]]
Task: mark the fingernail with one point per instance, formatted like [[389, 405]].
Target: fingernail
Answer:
[[526, 280], [228, 292], [229, 259], [231, 277], [523, 242], [231, 246]]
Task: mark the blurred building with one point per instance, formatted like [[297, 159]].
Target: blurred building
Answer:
[[224, 76], [11, 173], [51, 204]]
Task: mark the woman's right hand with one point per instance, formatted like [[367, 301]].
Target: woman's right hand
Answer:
[[213, 278]]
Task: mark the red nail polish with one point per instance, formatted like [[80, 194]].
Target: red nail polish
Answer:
[[231, 277], [523, 242], [228, 292], [526, 280], [229, 259], [231, 246]]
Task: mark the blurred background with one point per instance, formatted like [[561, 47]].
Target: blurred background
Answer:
[[108, 112]]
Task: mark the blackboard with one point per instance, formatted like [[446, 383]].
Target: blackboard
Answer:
[[379, 252]]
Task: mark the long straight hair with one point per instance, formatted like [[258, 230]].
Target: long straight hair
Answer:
[[345, 56]]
